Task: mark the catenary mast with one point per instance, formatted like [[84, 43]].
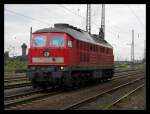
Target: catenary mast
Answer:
[[88, 19]]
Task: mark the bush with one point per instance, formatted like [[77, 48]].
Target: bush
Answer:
[[11, 65]]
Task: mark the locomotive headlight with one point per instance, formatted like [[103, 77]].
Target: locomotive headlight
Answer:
[[46, 54], [61, 67]]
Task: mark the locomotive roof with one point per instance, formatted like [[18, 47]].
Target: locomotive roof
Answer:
[[77, 34]]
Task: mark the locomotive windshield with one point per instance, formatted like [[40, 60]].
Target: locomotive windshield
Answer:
[[39, 41], [57, 41]]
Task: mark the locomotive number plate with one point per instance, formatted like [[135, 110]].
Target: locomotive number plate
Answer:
[[47, 60]]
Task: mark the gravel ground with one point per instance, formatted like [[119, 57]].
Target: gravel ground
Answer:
[[64, 99], [17, 82], [106, 99], [13, 75], [9, 92], [136, 101]]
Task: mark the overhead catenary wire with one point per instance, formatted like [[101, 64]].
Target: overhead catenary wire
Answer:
[[84, 18], [69, 11], [138, 19], [114, 27], [110, 30], [95, 11], [31, 18], [49, 23], [92, 20], [74, 13], [117, 28], [38, 20]]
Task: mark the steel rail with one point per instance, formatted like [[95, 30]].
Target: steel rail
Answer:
[[16, 79], [25, 93], [126, 95], [12, 103], [19, 75], [12, 86], [29, 84], [125, 75], [9, 104], [21, 94], [78, 104], [119, 71]]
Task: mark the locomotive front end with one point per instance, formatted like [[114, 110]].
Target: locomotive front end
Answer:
[[47, 59]]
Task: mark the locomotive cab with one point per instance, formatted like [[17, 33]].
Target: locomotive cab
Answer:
[[48, 57], [49, 49]]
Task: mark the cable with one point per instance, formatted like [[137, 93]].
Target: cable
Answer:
[[70, 11], [83, 18], [135, 15], [96, 9], [26, 16], [49, 23]]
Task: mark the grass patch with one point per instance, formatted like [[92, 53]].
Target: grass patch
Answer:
[[123, 65], [13, 64]]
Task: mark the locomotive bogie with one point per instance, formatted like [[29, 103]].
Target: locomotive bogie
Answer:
[[71, 77]]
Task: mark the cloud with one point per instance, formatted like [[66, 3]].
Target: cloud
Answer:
[[119, 20]]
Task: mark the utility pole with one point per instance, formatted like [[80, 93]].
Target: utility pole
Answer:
[[144, 51], [132, 48], [88, 19], [30, 35], [118, 59]]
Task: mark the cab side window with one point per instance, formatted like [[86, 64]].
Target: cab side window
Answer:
[[69, 43]]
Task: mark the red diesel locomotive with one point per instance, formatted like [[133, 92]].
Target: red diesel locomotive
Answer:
[[67, 56]]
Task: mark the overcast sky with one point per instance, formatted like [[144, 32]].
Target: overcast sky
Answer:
[[120, 19]]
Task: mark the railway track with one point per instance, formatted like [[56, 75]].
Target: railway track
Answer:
[[28, 83], [24, 82], [124, 96], [27, 96], [20, 81], [33, 90], [9, 76], [15, 79], [92, 98], [18, 95], [14, 75], [21, 76], [118, 71], [12, 86]]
